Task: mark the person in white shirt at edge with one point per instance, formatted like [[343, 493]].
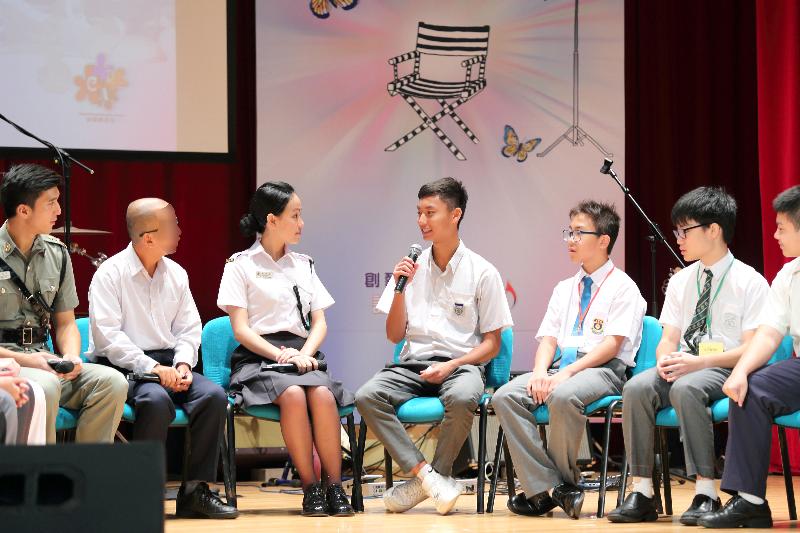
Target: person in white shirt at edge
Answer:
[[22, 407], [276, 305], [143, 319], [595, 319], [710, 312], [451, 315], [760, 393]]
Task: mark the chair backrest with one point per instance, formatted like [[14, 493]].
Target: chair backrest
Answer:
[[651, 336], [498, 370], [218, 344], [83, 329], [452, 40], [783, 352]]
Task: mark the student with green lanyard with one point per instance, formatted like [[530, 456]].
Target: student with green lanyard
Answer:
[[710, 312]]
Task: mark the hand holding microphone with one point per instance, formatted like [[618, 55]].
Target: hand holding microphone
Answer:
[[404, 270]]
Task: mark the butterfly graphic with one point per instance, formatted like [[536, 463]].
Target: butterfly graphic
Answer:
[[320, 7], [514, 148]]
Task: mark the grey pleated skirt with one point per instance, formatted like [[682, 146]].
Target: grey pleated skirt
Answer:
[[252, 386]]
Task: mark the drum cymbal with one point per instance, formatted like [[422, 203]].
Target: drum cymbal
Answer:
[[74, 230]]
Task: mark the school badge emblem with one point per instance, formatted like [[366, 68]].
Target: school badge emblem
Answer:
[[459, 309], [597, 326]]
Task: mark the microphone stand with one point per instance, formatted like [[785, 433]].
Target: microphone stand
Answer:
[[655, 236], [65, 160]]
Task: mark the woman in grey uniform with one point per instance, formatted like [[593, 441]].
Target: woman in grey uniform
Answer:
[[276, 305]]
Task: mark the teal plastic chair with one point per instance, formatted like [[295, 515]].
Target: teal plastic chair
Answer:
[[218, 345], [430, 410], [607, 406], [67, 419], [667, 418]]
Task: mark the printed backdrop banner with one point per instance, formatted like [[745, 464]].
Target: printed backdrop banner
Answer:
[[326, 118]]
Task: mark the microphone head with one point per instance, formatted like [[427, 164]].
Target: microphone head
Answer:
[[606, 168], [414, 251]]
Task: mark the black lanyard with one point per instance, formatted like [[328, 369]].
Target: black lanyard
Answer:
[[306, 319]]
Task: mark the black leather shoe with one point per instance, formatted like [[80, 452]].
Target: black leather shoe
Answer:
[[636, 508], [337, 502], [738, 512], [314, 503], [536, 505], [569, 498], [701, 504], [202, 503]]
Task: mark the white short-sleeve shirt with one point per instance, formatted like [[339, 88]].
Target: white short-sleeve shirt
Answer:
[[449, 311], [782, 310], [254, 281], [736, 309], [617, 309]]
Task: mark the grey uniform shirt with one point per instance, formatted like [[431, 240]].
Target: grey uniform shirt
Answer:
[[41, 271]]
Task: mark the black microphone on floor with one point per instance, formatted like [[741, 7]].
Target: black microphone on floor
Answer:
[[286, 368], [413, 253]]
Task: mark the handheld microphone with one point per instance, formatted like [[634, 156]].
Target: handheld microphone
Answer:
[[146, 377], [61, 366], [606, 168], [413, 253], [286, 368]]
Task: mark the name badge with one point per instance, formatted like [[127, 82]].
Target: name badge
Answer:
[[263, 275], [573, 341], [711, 347], [5, 275]]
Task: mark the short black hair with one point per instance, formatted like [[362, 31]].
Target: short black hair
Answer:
[[23, 184], [450, 191], [788, 203], [707, 205], [270, 198], [603, 216]]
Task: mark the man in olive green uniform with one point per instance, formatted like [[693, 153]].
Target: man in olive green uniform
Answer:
[[30, 256]]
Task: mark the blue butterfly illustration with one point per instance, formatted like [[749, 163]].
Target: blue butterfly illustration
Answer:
[[513, 147]]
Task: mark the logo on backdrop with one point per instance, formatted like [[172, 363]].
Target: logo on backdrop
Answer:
[[100, 84]]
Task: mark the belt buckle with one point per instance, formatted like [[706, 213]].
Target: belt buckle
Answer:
[[27, 336]]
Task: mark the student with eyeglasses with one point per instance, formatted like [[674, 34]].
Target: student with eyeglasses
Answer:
[[595, 319], [710, 313]]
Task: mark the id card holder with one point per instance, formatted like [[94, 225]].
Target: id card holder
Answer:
[[710, 347]]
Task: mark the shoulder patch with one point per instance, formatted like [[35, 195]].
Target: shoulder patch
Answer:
[[233, 258], [52, 240]]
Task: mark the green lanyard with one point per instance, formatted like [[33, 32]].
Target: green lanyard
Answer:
[[716, 294]]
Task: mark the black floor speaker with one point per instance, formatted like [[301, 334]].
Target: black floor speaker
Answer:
[[82, 487]]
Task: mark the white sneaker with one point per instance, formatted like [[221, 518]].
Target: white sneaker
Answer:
[[402, 497], [444, 491]]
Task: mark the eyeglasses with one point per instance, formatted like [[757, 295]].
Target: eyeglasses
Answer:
[[172, 227], [575, 235], [680, 233]]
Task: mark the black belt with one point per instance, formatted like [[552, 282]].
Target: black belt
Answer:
[[24, 336]]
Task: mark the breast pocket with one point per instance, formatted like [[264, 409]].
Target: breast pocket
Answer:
[[49, 288], [462, 312], [731, 321], [10, 301]]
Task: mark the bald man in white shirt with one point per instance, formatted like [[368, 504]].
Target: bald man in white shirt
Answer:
[[144, 320]]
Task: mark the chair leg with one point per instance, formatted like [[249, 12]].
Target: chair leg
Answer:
[[509, 472], [387, 464], [787, 473], [226, 469], [496, 474], [623, 482], [662, 442], [457, 120], [427, 122], [656, 474], [601, 501], [356, 497], [187, 443], [482, 456], [231, 456]]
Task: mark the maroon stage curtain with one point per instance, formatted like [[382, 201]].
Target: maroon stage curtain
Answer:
[[208, 197], [778, 51]]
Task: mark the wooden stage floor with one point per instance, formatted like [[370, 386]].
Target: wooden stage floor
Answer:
[[277, 512]]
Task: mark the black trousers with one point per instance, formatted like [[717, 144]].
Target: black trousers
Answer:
[[205, 404], [772, 391]]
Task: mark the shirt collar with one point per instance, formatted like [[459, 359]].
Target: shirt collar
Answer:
[[7, 244], [452, 265], [256, 249], [718, 268], [598, 275], [135, 264]]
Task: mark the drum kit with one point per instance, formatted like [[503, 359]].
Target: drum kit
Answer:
[[74, 248]]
